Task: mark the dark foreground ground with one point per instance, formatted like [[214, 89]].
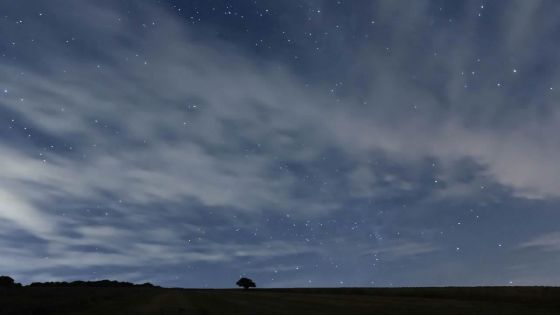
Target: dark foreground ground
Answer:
[[108, 301]]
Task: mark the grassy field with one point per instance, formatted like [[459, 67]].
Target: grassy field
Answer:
[[108, 301]]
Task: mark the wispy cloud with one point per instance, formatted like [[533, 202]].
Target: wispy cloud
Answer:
[[150, 123], [549, 242], [395, 250]]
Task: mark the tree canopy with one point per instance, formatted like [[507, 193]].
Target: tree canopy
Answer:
[[246, 283]]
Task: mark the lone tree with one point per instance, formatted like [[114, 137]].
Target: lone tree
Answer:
[[6, 282], [246, 283]]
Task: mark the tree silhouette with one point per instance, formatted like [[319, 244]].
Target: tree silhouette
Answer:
[[6, 281], [246, 283]]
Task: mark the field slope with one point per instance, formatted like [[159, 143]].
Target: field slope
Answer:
[[454, 300]]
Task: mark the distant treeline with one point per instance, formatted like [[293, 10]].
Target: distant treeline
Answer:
[[9, 282], [92, 284]]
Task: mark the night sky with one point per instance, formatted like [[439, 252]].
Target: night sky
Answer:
[[298, 143]]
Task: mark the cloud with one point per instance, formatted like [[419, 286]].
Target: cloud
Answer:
[[395, 250], [16, 210], [148, 121], [549, 242], [167, 126], [135, 129]]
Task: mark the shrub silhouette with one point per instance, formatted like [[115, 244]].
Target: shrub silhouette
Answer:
[[6, 282], [246, 283]]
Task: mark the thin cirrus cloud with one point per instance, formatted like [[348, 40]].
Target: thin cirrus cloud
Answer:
[[151, 122], [132, 132], [547, 242]]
